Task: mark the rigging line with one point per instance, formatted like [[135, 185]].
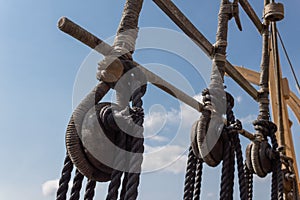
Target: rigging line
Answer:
[[288, 59]]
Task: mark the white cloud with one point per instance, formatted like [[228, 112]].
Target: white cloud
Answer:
[[158, 138], [156, 120], [247, 120], [210, 195], [170, 158], [239, 99], [50, 187]]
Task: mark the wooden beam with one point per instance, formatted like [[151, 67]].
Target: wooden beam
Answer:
[[252, 15], [100, 46], [168, 7], [253, 77]]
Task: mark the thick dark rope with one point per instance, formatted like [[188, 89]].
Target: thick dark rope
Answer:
[[238, 150], [241, 173], [65, 179], [277, 177], [226, 182], [124, 183], [137, 145], [249, 182], [77, 184], [90, 190], [198, 179], [231, 171], [119, 163], [190, 176]]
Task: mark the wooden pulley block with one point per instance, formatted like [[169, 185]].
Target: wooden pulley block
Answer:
[[274, 12], [257, 159], [91, 145], [209, 148]]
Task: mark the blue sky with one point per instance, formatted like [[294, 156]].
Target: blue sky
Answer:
[[40, 66]]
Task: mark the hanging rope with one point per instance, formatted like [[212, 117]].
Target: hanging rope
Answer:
[[90, 190], [193, 177], [198, 179], [77, 184], [190, 176], [119, 163], [65, 179], [227, 171], [249, 182]]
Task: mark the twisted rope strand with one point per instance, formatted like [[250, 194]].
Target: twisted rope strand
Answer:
[[65, 179], [240, 165], [77, 184], [249, 182], [90, 190], [119, 163], [198, 179], [137, 147], [226, 173], [190, 176]]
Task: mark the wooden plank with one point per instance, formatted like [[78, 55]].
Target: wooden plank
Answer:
[[294, 104], [253, 77], [168, 7], [285, 88]]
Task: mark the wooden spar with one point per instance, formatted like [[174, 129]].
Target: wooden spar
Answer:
[[83, 36], [190, 30], [253, 77], [252, 15], [95, 43]]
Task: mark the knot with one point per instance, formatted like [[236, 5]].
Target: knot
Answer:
[[265, 127], [234, 127], [110, 69]]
